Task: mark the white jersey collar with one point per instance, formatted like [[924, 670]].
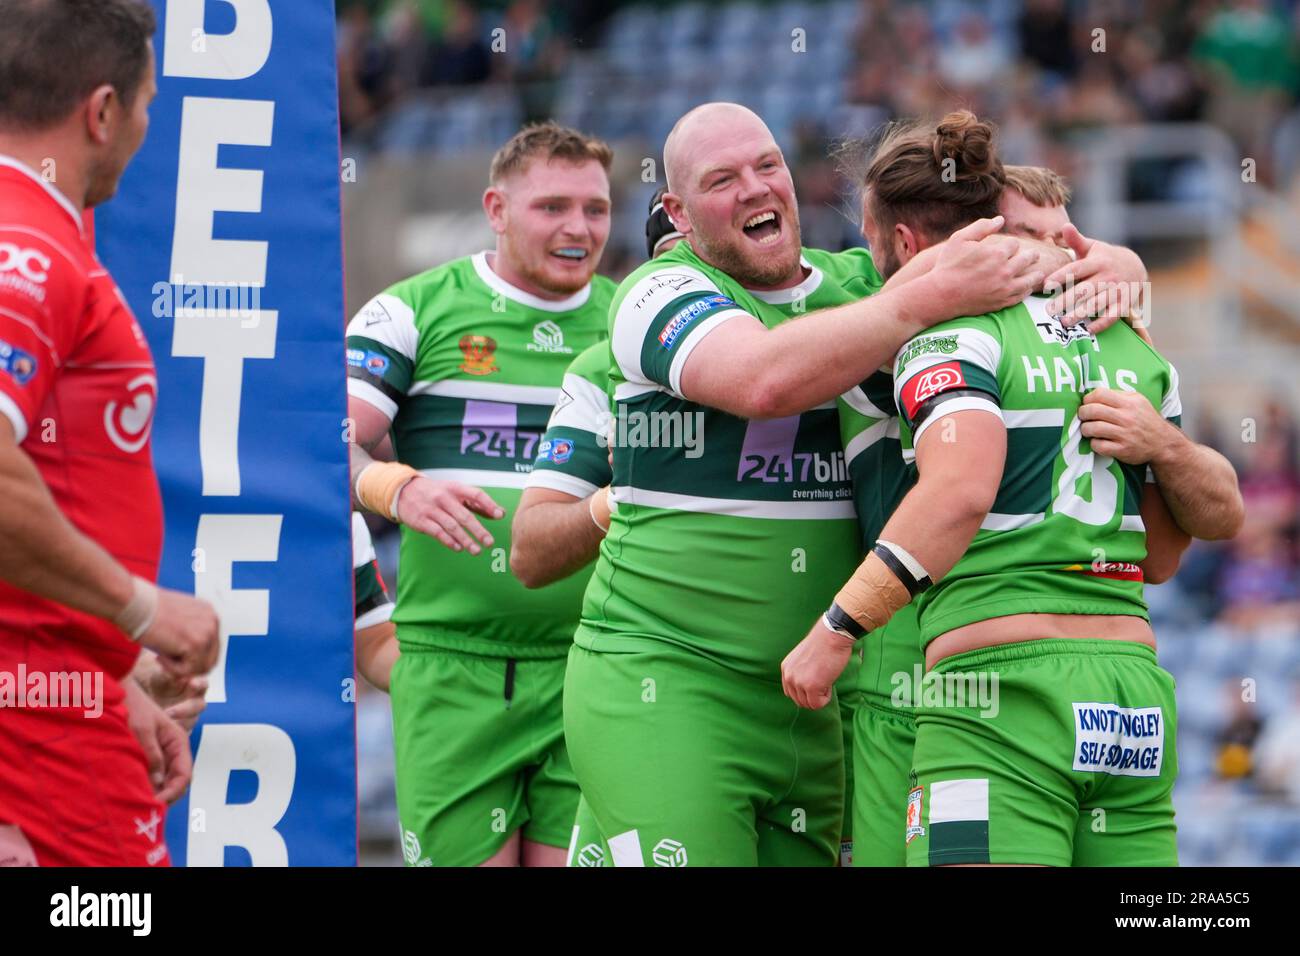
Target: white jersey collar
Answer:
[[50, 188], [494, 281], [801, 291]]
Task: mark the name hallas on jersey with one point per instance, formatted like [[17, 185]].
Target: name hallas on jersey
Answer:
[[1059, 376]]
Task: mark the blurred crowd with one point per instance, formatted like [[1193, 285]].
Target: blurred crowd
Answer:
[[388, 49], [1249, 589], [1067, 67], [1045, 68]]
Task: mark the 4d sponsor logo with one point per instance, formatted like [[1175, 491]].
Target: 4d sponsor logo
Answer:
[[926, 385], [20, 365], [548, 337], [1121, 741]]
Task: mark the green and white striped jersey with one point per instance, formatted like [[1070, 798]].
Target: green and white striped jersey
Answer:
[[573, 456], [729, 535], [469, 367], [371, 603], [1065, 535]]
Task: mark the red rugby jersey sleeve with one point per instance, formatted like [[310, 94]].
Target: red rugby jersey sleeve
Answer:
[[42, 294]]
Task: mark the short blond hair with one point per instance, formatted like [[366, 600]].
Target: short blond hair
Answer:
[[551, 141], [1041, 186]]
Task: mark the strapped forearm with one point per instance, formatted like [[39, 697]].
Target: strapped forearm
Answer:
[[379, 485], [1200, 487]]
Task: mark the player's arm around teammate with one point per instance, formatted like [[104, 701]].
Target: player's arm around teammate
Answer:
[[1198, 484]]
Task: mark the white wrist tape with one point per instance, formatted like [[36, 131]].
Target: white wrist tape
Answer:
[[137, 616]]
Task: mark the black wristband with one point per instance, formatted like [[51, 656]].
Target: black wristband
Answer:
[[841, 620], [899, 570]]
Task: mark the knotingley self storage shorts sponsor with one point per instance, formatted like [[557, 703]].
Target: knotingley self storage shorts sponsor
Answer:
[[82, 690]]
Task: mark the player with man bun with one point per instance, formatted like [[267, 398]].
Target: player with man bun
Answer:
[[1028, 513]]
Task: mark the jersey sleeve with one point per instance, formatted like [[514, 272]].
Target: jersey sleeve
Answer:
[[661, 319], [949, 369], [372, 603], [573, 456], [42, 297], [867, 413], [382, 342], [1171, 404], [1171, 408]]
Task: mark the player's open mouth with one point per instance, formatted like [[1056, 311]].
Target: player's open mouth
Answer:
[[764, 227], [570, 254]]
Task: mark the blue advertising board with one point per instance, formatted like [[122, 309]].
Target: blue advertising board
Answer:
[[225, 239]]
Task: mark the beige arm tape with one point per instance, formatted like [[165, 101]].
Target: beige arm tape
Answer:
[[379, 483], [137, 616], [873, 594]]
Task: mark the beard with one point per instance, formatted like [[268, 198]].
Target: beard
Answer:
[[748, 266], [558, 284], [889, 261]]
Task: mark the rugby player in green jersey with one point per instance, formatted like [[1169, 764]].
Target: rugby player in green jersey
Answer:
[[463, 364], [683, 744], [564, 513], [1035, 535], [884, 726]]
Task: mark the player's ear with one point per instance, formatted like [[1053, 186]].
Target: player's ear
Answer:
[[494, 205], [100, 109], [676, 210], [905, 242]]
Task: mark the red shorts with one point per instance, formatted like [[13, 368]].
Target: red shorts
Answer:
[[74, 783]]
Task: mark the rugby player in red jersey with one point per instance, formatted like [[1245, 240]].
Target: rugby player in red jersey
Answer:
[[88, 761]]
